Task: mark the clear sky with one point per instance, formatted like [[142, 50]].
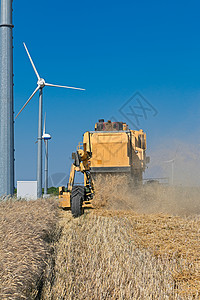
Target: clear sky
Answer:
[[113, 49]]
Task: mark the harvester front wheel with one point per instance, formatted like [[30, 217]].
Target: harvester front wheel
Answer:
[[77, 198]]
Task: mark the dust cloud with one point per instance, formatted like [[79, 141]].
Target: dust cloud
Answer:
[[116, 192], [186, 166]]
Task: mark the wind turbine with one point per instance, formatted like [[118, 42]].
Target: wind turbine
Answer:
[[46, 137], [172, 161], [40, 85]]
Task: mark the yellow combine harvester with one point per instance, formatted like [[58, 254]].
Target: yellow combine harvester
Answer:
[[112, 148]]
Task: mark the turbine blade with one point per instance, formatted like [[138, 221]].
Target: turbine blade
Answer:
[[169, 161], [64, 86], [27, 101], [44, 124], [34, 68]]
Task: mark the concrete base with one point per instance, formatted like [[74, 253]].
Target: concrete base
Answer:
[[46, 195]]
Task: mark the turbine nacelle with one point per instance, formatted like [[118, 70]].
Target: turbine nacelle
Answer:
[[46, 136], [41, 82]]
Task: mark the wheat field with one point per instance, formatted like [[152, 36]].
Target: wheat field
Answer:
[[136, 244], [120, 255], [26, 231]]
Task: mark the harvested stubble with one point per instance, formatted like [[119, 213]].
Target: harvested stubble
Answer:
[[26, 231], [169, 238], [110, 255], [97, 259], [130, 246]]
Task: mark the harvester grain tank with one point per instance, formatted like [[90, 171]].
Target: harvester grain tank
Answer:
[[116, 150]]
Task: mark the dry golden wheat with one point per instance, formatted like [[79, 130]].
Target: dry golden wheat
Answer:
[[137, 244], [26, 230], [118, 252], [122, 255]]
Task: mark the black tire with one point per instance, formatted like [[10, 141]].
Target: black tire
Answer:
[[77, 198]]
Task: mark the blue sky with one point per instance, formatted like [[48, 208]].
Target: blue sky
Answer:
[[113, 49]]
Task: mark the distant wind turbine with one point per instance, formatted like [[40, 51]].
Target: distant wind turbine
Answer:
[[40, 85], [172, 161], [46, 137]]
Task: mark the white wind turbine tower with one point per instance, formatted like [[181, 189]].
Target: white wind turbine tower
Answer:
[[172, 161], [46, 137], [40, 85]]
